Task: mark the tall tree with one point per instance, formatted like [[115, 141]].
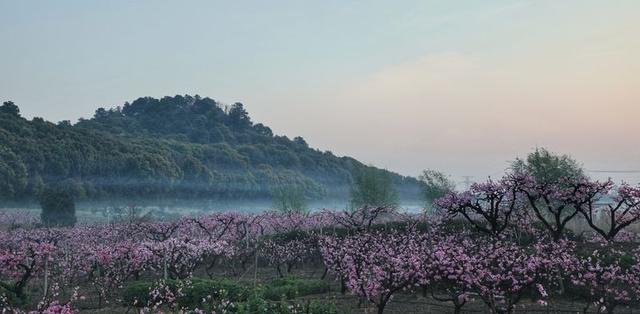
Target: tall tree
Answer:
[[58, 207], [548, 167], [373, 187], [435, 185], [549, 182], [488, 206], [9, 107], [238, 116], [607, 210], [289, 198]]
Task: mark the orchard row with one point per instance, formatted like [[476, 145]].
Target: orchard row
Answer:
[[501, 242]]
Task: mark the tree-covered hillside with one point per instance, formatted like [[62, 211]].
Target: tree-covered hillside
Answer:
[[182, 146]]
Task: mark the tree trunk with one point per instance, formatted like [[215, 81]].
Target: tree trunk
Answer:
[[164, 267], [324, 273], [457, 306], [279, 271], [46, 277]]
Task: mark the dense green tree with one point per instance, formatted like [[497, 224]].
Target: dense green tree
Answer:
[[9, 107], [238, 116], [58, 207], [547, 166], [263, 130], [13, 174], [300, 141], [434, 185], [373, 187]]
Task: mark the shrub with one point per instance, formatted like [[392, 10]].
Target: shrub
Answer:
[[58, 207], [289, 236], [192, 294], [321, 308], [9, 299], [290, 288], [258, 305]]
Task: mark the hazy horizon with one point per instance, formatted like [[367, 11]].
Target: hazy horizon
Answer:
[[405, 85]]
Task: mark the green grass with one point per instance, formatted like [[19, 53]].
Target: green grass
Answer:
[[291, 288]]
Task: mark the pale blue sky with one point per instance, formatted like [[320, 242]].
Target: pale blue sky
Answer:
[[460, 86]]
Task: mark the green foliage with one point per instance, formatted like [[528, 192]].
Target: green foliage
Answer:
[[259, 305], [617, 253], [178, 147], [315, 307], [216, 288], [238, 117], [13, 173], [137, 293], [9, 299], [289, 198], [546, 166], [192, 294], [434, 185], [8, 107], [290, 288], [289, 236], [245, 300], [373, 187], [58, 207]]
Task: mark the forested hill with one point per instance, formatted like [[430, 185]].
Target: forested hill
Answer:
[[179, 147]]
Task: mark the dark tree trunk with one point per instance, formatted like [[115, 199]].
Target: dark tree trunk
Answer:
[[324, 273], [279, 271]]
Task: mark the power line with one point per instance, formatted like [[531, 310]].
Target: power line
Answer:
[[615, 171]]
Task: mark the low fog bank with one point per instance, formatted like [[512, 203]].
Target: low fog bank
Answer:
[[95, 211]]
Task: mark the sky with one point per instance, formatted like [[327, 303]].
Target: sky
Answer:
[[458, 86]]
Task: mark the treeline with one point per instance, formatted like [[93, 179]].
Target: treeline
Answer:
[[182, 146]]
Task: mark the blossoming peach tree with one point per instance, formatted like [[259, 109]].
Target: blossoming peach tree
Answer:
[[516, 247]]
